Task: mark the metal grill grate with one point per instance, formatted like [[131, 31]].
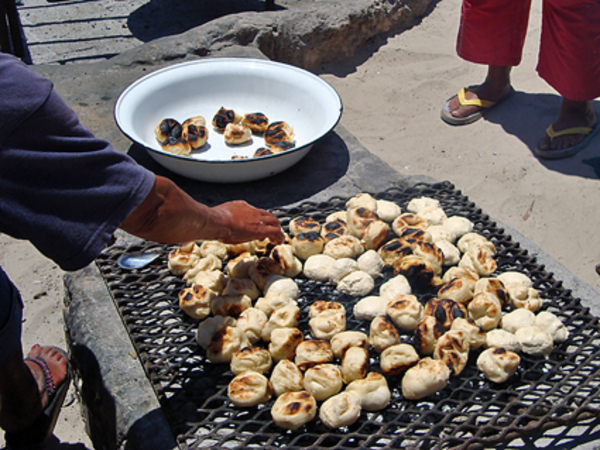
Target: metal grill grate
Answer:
[[469, 413]]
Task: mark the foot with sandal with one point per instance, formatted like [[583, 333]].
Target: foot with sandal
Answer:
[[572, 131], [32, 391]]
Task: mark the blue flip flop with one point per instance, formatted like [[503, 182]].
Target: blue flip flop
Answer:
[[588, 132], [42, 428]]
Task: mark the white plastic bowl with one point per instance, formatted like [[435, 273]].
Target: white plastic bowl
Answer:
[[199, 88]]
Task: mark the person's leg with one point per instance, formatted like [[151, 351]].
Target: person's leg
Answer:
[[492, 32], [570, 62]]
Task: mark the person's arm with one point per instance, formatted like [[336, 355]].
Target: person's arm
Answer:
[[169, 215]]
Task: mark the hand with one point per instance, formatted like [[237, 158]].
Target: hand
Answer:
[[238, 222]]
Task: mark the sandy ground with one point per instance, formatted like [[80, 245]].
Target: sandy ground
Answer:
[[392, 93]]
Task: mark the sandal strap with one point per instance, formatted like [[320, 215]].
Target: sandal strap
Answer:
[[49, 383], [462, 100], [574, 130]]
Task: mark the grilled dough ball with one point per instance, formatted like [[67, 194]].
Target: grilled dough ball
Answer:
[[516, 319], [225, 343], [194, 131], [195, 301], [257, 122], [323, 381], [301, 224], [341, 410], [373, 391], [370, 307], [456, 289], [319, 267], [167, 128], [394, 287], [325, 326], [176, 146], [472, 332], [277, 132], [284, 342], [307, 244], [355, 364], [485, 310], [387, 210], [223, 117], [502, 338], [255, 359], [383, 334], [397, 359], [251, 322], [286, 377], [426, 378], [332, 229], [294, 409], [371, 262], [312, 352], [393, 250], [362, 200], [345, 246], [284, 317], [498, 364], [375, 234], [405, 311], [357, 284], [249, 389], [237, 134], [262, 151], [357, 220], [445, 311], [427, 333], [230, 305], [343, 341], [552, 324], [418, 269], [182, 259], [535, 341], [281, 146], [453, 349]]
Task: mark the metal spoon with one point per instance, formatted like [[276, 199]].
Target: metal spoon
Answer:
[[136, 260]]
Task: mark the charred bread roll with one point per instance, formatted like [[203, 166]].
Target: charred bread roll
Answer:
[[223, 117], [284, 342], [362, 200], [210, 326], [457, 289], [257, 122], [371, 262], [311, 352], [211, 279], [341, 268], [346, 246], [294, 409], [370, 307], [224, 343], [327, 325], [397, 359], [239, 266], [408, 220], [453, 348], [241, 286], [474, 240], [307, 244], [372, 391], [405, 311], [230, 305], [176, 146], [393, 250], [284, 317], [284, 256], [387, 210], [194, 131], [498, 364], [468, 275], [325, 307], [210, 262], [431, 253], [182, 259], [375, 235], [355, 364], [286, 377], [394, 287], [412, 234], [357, 220], [195, 301], [251, 321], [418, 270], [335, 228], [249, 389], [262, 269], [270, 303], [168, 128], [262, 151], [495, 287], [357, 284], [425, 379], [427, 333], [235, 134], [323, 381], [485, 310], [341, 342], [302, 224], [279, 131], [341, 410], [473, 333], [445, 311], [281, 146], [383, 334], [254, 359], [552, 324]]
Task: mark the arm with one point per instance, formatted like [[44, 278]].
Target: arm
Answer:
[[169, 215]]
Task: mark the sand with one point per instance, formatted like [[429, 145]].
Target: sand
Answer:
[[392, 93]]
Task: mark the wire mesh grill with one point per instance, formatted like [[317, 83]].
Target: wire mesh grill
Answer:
[[469, 413]]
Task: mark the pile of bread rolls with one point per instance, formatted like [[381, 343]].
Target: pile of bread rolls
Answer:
[[181, 138], [245, 298]]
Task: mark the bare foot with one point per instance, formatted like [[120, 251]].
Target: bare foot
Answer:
[[572, 114]]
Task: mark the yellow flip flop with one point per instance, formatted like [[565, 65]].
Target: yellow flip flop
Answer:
[[588, 132], [447, 116]]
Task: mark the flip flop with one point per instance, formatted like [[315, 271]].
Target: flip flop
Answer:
[[447, 116], [42, 428], [588, 132]]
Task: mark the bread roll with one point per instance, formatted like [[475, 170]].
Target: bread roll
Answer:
[[473, 333], [307, 244], [284, 256], [371, 262], [406, 221], [254, 359], [261, 269], [284, 317], [397, 359], [286, 377], [284, 342], [262, 151], [525, 298], [195, 301], [451, 254], [326, 326], [498, 364], [270, 303], [516, 319], [357, 284], [283, 285], [445, 311], [355, 364], [237, 134], [211, 326], [209, 262], [215, 248], [195, 132], [223, 117], [419, 204], [387, 210], [323, 307], [418, 269], [341, 410], [394, 287], [485, 310], [341, 268], [251, 321], [457, 289], [375, 235], [453, 348], [345, 246], [239, 266], [405, 311], [323, 381], [457, 227], [224, 343], [168, 128], [311, 352], [469, 275], [210, 279], [383, 334], [425, 379], [241, 286], [341, 342], [319, 267], [182, 259], [230, 305], [176, 146], [249, 389], [257, 122], [370, 307], [552, 324], [333, 229], [427, 333], [392, 251], [502, 338], [357, 220], [372, 391], [431, 253], [294, 409], [495, 287], [302, 224], [278, 132], [362, 200]]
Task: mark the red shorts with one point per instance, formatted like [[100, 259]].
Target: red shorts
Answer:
[[492, 32]]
